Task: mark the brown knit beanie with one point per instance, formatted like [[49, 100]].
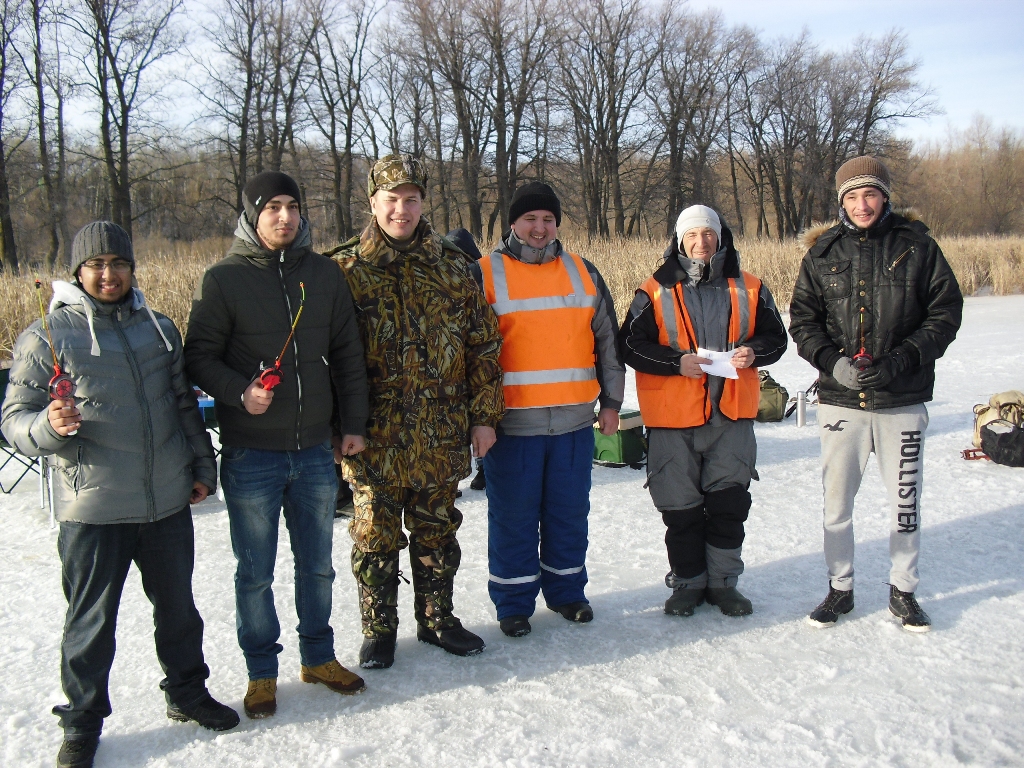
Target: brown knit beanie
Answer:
[[863, 171]]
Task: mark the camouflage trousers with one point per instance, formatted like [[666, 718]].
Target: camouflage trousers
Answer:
[[432, 519]]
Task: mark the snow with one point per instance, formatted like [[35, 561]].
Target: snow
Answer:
[[635, 687]]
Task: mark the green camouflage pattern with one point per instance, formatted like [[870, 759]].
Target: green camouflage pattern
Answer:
[[377, 579], [432, 519], [394, 171], [431, 343]]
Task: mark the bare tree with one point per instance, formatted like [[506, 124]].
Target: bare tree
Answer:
[[10, 20], [123, 39]]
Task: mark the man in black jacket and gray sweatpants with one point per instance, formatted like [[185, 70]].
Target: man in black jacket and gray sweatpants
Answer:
[[875, 305], [275, 306]]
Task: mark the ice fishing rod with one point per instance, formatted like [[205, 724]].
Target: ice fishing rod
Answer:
[[61, 385], [862, 360], [271, 377]]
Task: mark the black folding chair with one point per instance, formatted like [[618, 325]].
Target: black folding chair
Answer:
[[20, 466]]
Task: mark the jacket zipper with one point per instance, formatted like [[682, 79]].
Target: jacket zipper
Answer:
[[147, 422], [892, 267], [295, 352]]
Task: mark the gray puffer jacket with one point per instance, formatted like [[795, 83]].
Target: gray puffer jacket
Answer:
[[142, 441]]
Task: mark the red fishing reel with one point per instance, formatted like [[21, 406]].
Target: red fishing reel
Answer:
[[62, 387], [270, 378], [862, 360]]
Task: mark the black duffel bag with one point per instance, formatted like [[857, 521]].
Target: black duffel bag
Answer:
[[1003, 442]]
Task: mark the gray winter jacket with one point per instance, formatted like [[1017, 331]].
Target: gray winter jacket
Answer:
[[142, 441]]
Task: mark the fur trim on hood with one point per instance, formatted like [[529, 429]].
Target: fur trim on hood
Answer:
[[810, 236], [69, 294]]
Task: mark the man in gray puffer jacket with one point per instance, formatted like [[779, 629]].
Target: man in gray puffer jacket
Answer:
[[128, 459]]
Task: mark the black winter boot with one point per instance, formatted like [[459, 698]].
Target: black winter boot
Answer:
[[433, 577], [729, 601], [903, 605], [580, 612], [684, 601], [77, 751], [377, 577], [208, 712], [835, 604], [515, 626], [479, 482]]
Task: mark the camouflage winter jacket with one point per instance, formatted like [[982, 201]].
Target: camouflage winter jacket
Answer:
[[431, 343]]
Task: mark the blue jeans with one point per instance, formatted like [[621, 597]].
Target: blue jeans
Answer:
[[257, 484], [94, 564], [538, 500]]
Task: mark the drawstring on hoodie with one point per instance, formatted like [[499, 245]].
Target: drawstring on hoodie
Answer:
[[70, 294]]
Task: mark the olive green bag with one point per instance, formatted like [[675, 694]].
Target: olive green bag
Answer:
[[772, 406]]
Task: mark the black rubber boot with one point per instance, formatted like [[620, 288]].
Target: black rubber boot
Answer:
[[208, 712], [835, 604], [377, 577], [515, 626], [903, 605], [684, 601], [580, 612], [77, 752], [378, 652], [454, 639], [729, 601], [479, 482]]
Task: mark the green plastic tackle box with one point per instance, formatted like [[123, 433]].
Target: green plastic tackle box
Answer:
[[627, 446]]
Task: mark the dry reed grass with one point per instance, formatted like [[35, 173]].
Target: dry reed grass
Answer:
[[169, 272]]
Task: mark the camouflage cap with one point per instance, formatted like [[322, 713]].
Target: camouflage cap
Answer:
[[394, 171]]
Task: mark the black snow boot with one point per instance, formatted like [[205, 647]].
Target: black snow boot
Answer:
[[208, 712], [580, 612], [835, 604], [455, 639], [378, 652], [515, 626], [904, 607], [729, 601], [479, 482], [77, 752], [684, 601]]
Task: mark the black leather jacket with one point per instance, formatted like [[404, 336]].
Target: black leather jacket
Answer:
[[897, 273]]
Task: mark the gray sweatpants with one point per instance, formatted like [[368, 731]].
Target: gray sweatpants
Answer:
[[896, 437]]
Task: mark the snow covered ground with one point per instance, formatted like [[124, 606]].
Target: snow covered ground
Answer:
[[635, 687]]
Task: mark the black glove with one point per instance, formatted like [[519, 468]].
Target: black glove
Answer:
[[884, 370]]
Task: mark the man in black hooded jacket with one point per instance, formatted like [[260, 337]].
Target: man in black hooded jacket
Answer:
[[875, 305]]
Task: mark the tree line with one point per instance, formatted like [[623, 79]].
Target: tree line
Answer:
[[148, 113]]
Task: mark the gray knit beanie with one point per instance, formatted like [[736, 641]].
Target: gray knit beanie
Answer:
[[863, 171], [97, 239]]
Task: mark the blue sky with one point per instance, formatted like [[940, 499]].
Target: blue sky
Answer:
[[971, 53]]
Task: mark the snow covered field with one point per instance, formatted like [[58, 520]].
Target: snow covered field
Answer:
[[635, 687]]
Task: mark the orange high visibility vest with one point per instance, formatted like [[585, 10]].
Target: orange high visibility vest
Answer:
[[544, 314], [681, 402]]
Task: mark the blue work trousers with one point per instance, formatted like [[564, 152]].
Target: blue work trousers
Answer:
[[257, 484], [538, 499]]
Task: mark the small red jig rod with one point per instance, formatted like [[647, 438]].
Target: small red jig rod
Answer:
[[271, 377], [61, 385]]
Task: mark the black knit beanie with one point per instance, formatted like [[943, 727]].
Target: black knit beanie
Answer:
[[535, 196], [266, 186], [464, 239], [100, 238]]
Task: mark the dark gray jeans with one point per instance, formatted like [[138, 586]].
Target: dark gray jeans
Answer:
[[95, 561]]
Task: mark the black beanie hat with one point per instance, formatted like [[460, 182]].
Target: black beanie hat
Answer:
[[464, 239], [97, 239], [266, 186], [535, 196]]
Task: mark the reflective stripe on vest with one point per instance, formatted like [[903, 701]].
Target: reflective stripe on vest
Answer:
[[682, 402], [547, 354]]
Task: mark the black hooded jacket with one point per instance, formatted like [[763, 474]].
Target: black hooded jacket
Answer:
[[911, 298], [242, 312], [708, 305]]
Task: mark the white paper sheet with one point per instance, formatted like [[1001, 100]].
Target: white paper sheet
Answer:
[[720, 365]]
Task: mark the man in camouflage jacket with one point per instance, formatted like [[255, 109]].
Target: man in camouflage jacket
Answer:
[[431, 343]]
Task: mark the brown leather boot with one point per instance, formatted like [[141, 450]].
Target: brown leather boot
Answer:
[[261, 698], [334, 676]]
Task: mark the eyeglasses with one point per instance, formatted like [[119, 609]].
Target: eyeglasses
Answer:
[[120, 266]]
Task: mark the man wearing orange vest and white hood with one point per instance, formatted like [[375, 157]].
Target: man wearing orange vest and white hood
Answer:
[[701, 449], [559, 357]]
